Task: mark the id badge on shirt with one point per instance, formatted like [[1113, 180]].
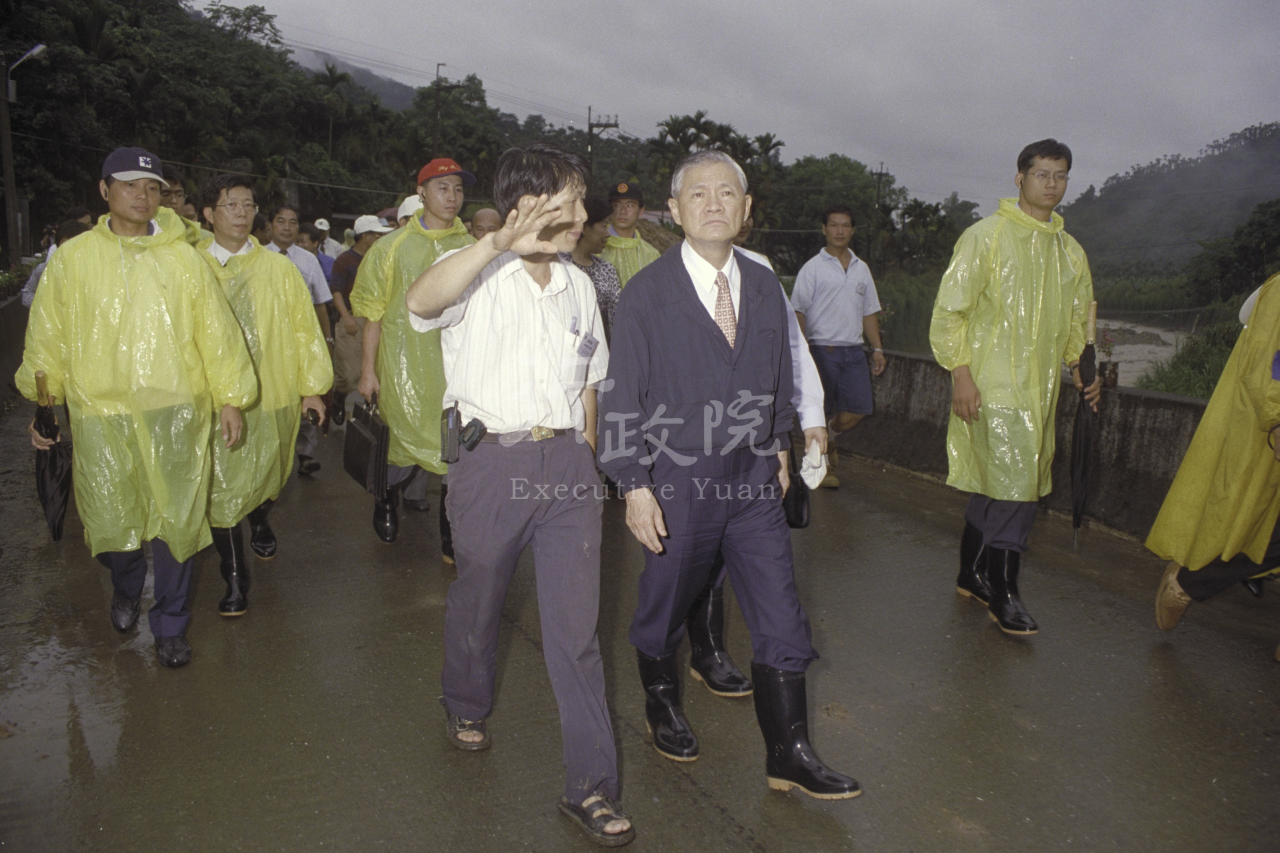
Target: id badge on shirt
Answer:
[[588, 346]]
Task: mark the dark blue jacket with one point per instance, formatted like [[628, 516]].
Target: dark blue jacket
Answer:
[[676, 388]]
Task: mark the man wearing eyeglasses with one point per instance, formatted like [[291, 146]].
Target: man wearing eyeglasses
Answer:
[[1012, 306], [273, 306]]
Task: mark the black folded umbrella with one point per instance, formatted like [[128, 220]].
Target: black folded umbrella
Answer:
[[1082, 434], [53, 466]]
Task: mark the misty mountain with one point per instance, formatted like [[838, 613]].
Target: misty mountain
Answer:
[[392, 94], [1153, 217]]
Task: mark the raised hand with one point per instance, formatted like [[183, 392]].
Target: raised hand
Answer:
[[526, 221]]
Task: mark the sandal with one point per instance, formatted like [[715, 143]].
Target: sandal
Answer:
[[596, 813], [453, 726]]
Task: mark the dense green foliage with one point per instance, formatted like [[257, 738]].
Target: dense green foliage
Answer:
[[1240, 264], [1195, 369], [1153, 218], [1141, 292]]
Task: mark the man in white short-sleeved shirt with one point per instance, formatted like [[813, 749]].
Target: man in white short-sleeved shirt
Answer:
[[836, 303], [524, 347]]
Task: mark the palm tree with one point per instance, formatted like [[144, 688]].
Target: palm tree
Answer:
[[331, 79]]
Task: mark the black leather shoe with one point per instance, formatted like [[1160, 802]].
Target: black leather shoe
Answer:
[[173, 652], [124, 612], [671, 733], [783, 713], [307, 466], [386, 521], [262, 539], [338, 411], [446, 530], [973, 566], [423, 505], [1254, 585], [235, 571], [709, 660], [1006, 606]]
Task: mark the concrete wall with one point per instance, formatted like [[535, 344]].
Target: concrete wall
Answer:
[[1140, 439]]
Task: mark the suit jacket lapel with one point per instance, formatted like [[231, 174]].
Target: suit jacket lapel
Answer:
[[686, 294]]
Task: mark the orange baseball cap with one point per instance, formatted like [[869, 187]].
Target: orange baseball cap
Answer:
[[442, 166]]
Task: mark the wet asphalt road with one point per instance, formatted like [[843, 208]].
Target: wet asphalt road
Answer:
[[312, 724]]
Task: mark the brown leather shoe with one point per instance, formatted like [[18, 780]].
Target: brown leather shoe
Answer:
[[1171, 601]]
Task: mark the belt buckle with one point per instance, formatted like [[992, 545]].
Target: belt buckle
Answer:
[[541, 433]]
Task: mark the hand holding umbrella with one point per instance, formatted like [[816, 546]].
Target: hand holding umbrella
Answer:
[[1085, 373], [53, 460]]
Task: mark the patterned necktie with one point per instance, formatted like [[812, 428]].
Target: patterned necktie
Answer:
[[726, 319]]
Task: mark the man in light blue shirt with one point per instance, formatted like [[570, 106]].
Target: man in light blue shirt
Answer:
[[836, 303]]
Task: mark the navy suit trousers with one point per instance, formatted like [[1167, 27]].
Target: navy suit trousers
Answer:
[[732, 504]]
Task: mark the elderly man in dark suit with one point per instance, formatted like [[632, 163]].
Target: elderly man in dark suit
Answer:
[[694, 429]]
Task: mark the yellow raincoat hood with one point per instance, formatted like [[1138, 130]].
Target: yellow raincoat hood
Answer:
[[1226, 497], [628, 255], [273, 306], [1012, 306], [410, 364], [135, 335]]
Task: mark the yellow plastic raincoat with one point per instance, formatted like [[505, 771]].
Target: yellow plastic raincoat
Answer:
[[1226, 497], [135, 334], [629, 255], [273, 305], [1012, 305], [410, 364]]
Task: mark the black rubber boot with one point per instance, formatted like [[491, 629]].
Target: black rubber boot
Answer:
[[973, 576], [1006, 606], [386, 521], [672, 735], [338, 410], [446, 531], [235, 571], [782, 710], [709, 660], [262, 539]]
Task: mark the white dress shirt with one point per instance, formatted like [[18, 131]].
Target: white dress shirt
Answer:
[[311, 271], [517, 355], [704, 278], [332, 247], [808, 397], [223, 254]]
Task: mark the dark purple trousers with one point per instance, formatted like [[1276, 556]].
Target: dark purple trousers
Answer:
[[169, 616], [732, 504], [544, 494]]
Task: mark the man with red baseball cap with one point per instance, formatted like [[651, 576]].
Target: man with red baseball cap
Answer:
[[403, 368]]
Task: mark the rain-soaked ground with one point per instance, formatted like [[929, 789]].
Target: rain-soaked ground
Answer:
[[312, 723]]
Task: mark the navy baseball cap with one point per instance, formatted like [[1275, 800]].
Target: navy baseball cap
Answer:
[[629, 190], [132, 164]]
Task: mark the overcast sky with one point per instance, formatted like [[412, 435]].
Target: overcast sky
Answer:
[[944, 93]]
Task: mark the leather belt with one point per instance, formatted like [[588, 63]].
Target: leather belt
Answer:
[[538, 433]]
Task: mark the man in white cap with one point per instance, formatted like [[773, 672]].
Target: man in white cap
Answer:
[[348, 334], [328, 245], [408, 209]]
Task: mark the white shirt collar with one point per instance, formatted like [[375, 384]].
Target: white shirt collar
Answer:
[[514, 266], [223, 254], [853, 256], [704, 274]]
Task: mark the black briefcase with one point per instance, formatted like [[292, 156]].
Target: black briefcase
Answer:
[[795, 503], [364, 450]]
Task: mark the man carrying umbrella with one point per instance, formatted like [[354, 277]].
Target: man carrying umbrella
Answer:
[[1217, 526], [1012, 305], [134, 334], [273, 305]]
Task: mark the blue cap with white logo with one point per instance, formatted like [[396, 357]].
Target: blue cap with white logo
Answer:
[[132, 164]]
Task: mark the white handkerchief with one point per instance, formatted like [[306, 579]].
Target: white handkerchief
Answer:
[[813, 468]]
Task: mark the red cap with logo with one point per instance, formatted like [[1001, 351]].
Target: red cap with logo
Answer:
[[442, 166]]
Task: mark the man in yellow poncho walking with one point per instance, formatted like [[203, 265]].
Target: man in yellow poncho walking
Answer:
[[1012, 305], [273, 305], [626, 249], [1217, 526], [404, 368], [133, 332]]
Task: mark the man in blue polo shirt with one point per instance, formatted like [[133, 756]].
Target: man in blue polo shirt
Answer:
[[835, 301]]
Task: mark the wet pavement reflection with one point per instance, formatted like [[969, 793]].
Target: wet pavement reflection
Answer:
[[311, 723]]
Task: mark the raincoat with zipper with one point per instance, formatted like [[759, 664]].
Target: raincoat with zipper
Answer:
[[135, 335], [1225, 498], [628, 255], [273, 306], [1012, 306], [410, 365]]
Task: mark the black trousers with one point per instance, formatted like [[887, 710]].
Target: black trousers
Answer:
[[1221, 575]]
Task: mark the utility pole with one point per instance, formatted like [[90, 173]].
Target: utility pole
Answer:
[[592, 126], [448, 88], [875, 245], [13, 250]]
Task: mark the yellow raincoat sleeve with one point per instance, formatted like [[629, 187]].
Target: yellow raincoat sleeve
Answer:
[[962, 284], [315, 368], [227, 366], [371, 292], [44, 349], [1080, 306]]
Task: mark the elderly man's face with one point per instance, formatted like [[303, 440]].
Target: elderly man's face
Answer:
[[712, 204], [485, 221]]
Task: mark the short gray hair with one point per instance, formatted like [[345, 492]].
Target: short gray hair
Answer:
[[705, 158]]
